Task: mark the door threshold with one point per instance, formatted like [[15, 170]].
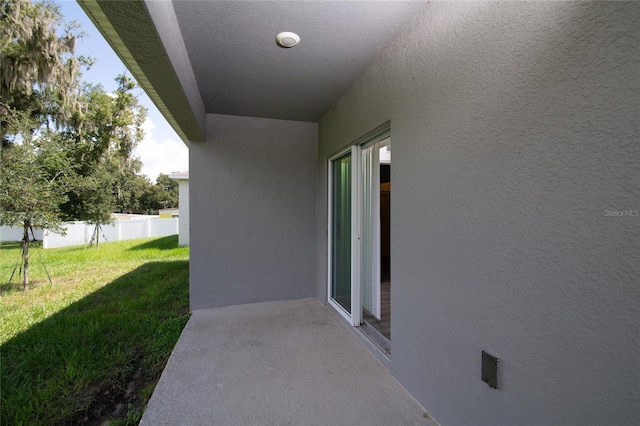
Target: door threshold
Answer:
[[372, 346], [377, 338]]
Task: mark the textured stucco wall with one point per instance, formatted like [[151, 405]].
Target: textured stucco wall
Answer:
[[514, 129], [252, 194]]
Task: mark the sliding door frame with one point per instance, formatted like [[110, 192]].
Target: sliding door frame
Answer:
[[380, 133], [354, 317]]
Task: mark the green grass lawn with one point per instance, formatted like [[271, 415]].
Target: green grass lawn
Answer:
[[91, 346]]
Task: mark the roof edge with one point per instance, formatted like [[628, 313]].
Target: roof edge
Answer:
[[153, 72]]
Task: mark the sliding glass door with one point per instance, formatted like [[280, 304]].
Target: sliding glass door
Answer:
[[341, 190], [371, 229], [375, 253], [356, 242]]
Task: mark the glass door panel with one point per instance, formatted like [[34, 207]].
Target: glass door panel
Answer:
[[375, 275], [370, 251], [341, 231]]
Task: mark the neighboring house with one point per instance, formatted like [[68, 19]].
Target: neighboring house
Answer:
[[513, 223], [129, 216], [168, 213], [183, 202]]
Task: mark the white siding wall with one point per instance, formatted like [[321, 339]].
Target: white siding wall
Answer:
[[183, 235]]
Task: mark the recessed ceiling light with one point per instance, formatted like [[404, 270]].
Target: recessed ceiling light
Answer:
[[287, 39]]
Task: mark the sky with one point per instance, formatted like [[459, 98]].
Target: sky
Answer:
[[162, 150]]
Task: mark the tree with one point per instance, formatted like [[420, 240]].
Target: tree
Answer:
[[96, 132], [97, 198], [102, 138], [33, 175], [127, 133], [148, 198], [170, 190], [38, 69], [38, 89]]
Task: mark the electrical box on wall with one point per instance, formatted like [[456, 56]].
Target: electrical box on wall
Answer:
[[490, 370]]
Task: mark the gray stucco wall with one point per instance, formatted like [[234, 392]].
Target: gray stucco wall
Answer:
[[252, 194], [164, 18], [514, 130]]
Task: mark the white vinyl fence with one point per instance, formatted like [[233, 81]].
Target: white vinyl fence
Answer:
[[13, 233], [79, 233]]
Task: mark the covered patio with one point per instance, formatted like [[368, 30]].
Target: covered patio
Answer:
[[513, 218], [284, 363]]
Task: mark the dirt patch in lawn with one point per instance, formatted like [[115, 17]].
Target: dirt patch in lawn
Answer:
[[114, 401]]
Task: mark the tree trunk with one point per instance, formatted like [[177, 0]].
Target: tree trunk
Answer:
[[25, 255], [97, 235]]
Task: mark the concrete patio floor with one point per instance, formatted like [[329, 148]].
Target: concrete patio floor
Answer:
[[276, 363]]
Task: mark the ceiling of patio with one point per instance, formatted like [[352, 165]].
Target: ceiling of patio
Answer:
[[198, 57], [240, 70]]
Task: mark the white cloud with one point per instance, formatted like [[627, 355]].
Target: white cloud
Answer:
[[170, 155]]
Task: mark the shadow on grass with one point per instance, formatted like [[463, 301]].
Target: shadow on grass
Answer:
[[15, 281], [100, 357], [164, 243], [9, 245]]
